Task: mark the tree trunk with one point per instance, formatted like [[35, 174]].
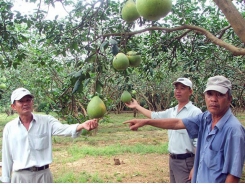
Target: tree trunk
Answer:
[[235, 19]]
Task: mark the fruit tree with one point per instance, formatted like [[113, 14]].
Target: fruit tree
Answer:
[[72, 56]]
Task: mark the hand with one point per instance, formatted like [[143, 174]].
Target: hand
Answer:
[[134, 124], [89, 124], [191, 174], [132, 104]]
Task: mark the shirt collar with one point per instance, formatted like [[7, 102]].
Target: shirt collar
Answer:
[[188, 105], [34, 118], [222, 121]]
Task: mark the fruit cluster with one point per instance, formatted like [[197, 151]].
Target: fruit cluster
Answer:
[[148, 9], [122, 61]]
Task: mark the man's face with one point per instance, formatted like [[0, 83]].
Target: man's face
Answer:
[[217, 103], [24, 105], [182, 93]]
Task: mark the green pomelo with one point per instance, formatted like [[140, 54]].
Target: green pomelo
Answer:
[[126, 97], [134, 59], [153, 9], [120, 61], [129, 12], [96, 108], [133, 92], [3, 86]]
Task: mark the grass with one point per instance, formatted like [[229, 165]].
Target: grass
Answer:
[[112, 139]]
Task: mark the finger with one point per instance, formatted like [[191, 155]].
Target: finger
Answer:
[[133, 128], [126, 122]]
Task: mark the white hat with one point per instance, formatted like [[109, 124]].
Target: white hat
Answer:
[[19, 93], [184, 81], [218, 83]]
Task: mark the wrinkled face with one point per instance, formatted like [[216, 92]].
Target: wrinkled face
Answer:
[[217, 103], [23, 106], [182, 93]]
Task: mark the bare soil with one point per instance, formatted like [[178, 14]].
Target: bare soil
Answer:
[[126, 168], [151, 168], [131, 168]]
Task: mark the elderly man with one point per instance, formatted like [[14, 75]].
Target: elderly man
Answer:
[[220, 150], [27, 141], [180, 146]]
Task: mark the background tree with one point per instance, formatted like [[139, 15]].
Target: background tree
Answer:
[[67, 61]]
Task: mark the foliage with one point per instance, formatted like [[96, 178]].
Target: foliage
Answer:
[[67, 61]]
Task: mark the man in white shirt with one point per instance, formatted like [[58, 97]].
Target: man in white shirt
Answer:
[[181, 147], [27, 141]]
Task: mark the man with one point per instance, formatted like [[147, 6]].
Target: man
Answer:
[[181, 148], [220, 150], [27, 141]]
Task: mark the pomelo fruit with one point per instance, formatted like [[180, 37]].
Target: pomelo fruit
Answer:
[[133, 92], [134, 59], [3, 86], [129, 12], [96, 108], [120, 61], [126, 97], [153, 9]]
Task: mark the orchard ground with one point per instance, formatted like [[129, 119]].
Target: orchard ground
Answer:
[[112, 154]]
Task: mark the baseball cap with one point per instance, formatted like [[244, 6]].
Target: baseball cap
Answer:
[[218, 83], [19, 93], [184, 81]]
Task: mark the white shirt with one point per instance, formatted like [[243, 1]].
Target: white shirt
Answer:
[[22, 149], [179, 140]]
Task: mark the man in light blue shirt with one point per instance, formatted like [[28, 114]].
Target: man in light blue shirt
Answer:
[[220, 150], [180, 146]]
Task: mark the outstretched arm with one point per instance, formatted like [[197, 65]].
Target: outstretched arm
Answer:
[[167, 123], [135, 105], [88, 125]]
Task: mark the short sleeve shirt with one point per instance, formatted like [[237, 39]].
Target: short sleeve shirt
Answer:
[[220, 151], [179, 140]]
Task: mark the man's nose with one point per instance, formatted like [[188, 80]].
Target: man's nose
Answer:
[[214, 97]]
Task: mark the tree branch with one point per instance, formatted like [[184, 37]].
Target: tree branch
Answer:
[[235, 50], [233, 16]]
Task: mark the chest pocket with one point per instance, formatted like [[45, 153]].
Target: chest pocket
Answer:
[[213, 159], [39, 142]]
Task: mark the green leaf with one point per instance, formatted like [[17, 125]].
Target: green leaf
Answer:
[[104, 46], [99, 86], [76, 86], [114, 49], [74, 45], [112, 41]]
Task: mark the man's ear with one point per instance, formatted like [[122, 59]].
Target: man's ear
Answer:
[[230, 98], [13, 106]]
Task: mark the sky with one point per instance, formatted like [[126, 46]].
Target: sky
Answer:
[[27, 8]]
